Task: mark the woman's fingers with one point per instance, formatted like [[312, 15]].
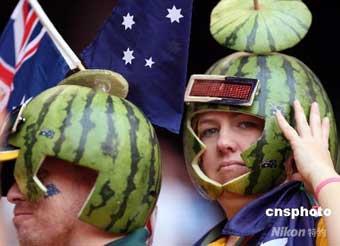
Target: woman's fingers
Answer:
[[309, 143], [288, 131], [315, 121], [317, 129], [302, 126], [325, 131]]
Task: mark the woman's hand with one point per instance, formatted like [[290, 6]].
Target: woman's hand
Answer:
[[309, 143]]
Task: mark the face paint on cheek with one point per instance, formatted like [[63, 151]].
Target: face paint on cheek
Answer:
[[52, 190]]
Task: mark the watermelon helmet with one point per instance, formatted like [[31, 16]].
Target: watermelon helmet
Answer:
[[282, 79], [99, 131]]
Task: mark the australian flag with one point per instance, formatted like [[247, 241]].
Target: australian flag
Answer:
[[29, 60], [147, 42]]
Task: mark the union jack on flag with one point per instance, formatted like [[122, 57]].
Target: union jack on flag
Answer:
[[30, 62]]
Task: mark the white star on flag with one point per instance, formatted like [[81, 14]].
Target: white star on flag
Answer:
[[149, 62], [174, 14], [128, 21], [128, 56]]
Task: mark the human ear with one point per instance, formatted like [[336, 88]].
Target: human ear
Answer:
[[291, 170]]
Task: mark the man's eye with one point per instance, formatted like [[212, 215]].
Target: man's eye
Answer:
[[42, 174], [208, 132]]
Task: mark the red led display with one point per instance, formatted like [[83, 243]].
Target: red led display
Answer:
[[221, 89]]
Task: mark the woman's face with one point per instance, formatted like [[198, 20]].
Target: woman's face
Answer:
[[226, 135]]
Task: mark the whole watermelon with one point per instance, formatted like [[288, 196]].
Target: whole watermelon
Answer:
[[273, 26]]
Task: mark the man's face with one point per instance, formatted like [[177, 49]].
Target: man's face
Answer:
[[226, 135], [52, 219]]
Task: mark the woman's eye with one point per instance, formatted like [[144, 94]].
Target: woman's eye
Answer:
[[247, 124], [208, 132]]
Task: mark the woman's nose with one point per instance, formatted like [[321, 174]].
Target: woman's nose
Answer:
[[227, 141]]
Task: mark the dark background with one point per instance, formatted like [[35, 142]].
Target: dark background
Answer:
[[78, 21]]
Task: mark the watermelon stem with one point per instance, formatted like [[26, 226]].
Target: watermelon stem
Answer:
[[256, 5]]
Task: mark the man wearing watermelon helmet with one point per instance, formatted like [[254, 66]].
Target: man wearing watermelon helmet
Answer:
[[236, 152], [87, 169]]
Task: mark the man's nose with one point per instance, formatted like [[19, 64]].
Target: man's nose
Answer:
[[226, 142], [14, 195]]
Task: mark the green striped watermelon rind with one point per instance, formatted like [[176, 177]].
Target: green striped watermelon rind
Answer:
[[101, 132], [276, 26]]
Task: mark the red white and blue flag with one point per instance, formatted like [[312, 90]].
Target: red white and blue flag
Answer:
[[30, 62]]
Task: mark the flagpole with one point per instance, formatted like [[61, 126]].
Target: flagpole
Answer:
[[71, 58]]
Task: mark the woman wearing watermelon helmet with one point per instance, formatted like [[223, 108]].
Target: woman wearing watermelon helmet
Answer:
[[87, 169], [231, 160]]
